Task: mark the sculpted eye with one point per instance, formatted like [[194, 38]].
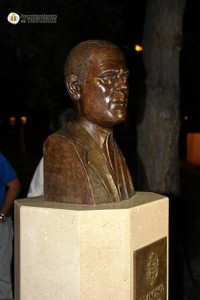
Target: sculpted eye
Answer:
[[125, 77], [107, 78]]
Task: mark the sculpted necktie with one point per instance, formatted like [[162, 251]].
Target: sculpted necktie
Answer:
[[114, 160], [110, 151]]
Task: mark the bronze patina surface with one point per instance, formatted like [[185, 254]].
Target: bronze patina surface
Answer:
[[82, 162], [150, 272]]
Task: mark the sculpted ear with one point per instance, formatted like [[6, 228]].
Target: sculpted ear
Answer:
[[73, 87]]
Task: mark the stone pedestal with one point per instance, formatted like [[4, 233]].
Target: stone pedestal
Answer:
[[76, 252]]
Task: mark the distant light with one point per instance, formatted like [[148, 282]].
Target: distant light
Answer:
[[193, 148], [138, 48], [185, 118], [12, 121], [23, 120]]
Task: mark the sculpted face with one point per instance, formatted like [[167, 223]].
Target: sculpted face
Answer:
[[104, 93]]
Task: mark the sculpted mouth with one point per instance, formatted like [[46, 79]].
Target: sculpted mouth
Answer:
[[120, 103]]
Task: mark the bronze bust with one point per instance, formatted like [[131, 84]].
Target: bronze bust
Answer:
[[82, 162]]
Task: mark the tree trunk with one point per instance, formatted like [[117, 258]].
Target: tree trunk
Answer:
[[158, 130]]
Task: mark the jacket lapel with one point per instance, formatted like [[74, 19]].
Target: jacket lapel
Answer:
[[93, 156]]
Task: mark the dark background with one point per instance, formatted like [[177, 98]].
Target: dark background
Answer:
[[32, 55], [31, 76], [31, 70]]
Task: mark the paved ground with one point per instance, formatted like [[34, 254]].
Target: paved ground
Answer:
[[184, 250], [190, 231]]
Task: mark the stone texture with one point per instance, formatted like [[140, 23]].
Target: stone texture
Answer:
[[77, 252]]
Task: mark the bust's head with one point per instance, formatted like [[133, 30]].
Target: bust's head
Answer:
[[96, 77]]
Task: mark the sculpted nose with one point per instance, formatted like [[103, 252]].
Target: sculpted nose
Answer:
[[121, 84]]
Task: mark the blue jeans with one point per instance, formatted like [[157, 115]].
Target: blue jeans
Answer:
[[6, 255]]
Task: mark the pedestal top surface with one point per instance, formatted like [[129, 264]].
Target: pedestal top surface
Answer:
[[140, 198]]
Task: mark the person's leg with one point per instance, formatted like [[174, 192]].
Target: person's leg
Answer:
[[6, 252]]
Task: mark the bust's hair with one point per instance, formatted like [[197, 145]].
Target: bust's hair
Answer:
[[78, 59]]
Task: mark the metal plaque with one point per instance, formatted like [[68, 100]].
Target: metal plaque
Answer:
[[150, 271]]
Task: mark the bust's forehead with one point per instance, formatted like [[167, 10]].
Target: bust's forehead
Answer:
[[107, 53], [108, 59]]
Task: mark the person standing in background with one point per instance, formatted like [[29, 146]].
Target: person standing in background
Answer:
[[9, 190], [36, 187]]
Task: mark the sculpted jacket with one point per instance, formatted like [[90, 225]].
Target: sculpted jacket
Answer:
[[76, 169]]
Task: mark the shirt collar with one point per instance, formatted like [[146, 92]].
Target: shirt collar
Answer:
[[98, 133]]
